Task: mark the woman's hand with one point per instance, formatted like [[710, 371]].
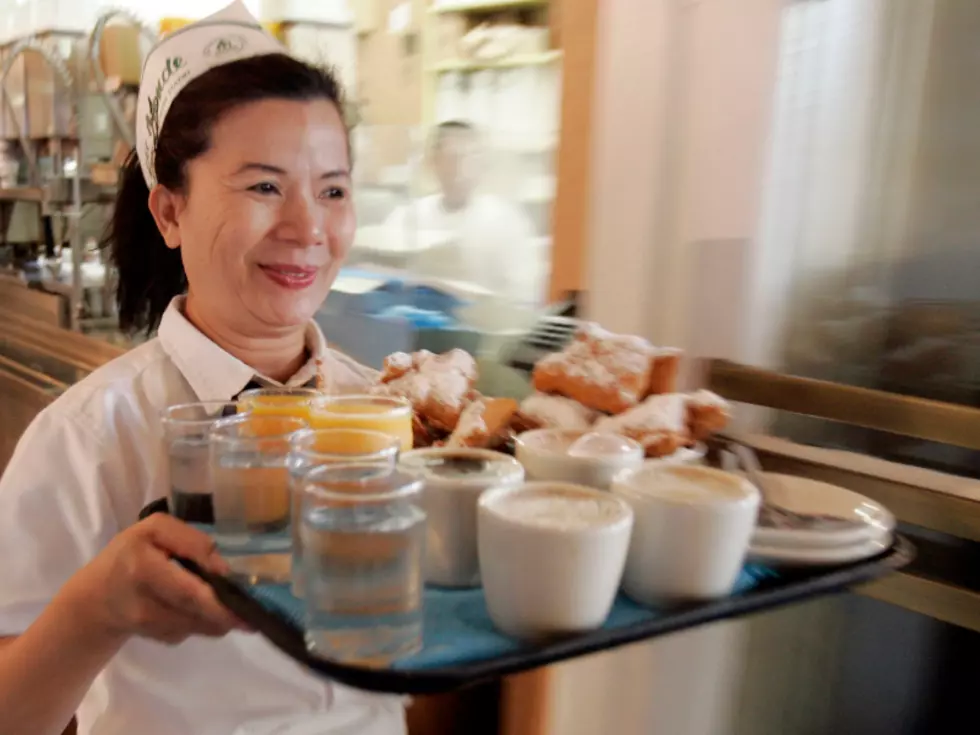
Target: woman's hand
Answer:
[[134, 588]]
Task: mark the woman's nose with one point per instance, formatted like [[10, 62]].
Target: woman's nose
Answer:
[[302, 220]]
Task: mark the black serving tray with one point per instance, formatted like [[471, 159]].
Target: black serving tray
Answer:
[[462, 648]]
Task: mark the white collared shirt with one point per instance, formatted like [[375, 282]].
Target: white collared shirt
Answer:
[[82, 472]]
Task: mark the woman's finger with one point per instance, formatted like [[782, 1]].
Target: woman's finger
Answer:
[[179, 589], [192, 620], [176, 538]]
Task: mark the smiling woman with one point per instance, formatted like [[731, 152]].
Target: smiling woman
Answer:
[[231, 222], [253, 168]]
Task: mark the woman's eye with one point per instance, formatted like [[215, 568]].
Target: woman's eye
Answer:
[[264, 187], [334, 192]]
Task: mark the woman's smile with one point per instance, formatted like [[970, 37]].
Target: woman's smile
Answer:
[[294, 277]]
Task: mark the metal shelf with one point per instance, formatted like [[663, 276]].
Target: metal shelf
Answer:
[[509, 62], [485, 6], [58, 192], [22, 194]]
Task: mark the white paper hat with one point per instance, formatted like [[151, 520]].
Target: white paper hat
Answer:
[[229, 35]]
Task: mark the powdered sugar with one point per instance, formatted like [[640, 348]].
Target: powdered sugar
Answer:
[[557, 412], [470, 424], [665, 413], [397, 363], [448, 387], [707, 399], [455, 360], [414, 387], [611, 363]]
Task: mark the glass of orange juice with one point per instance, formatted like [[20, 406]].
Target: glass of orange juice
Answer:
[[295, 402], [392, 416]]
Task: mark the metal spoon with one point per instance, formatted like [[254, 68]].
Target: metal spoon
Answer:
[[774, 516]]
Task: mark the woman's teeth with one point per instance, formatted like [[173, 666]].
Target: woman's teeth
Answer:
[[290, 276]]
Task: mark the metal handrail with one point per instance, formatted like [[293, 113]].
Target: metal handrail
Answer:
[[24, 371], [919, 418], [87, 355], [56, 63], [95, 41]]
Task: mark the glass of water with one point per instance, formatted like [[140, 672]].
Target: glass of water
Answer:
[[250, 482], [363, 536], [186, 427], [311, 448]]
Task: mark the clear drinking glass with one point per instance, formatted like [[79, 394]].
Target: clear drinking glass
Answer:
[[251, 492], [186, 428], [311, 448], [363, 537]]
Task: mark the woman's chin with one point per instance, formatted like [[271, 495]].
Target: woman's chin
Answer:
[[293, 311]]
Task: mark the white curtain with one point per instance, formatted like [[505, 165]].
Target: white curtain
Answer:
[[847, 104]]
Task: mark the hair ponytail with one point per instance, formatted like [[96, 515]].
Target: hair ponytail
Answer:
[[149, 273]]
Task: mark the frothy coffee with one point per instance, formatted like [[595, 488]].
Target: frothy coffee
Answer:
[[559, 507], [683, 484], [457, 466], [463, 465]]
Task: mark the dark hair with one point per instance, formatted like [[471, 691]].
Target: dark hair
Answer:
[[150, 273], [443, 129]]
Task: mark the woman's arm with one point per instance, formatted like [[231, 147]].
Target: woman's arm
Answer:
[[45, 672], [131, 588]]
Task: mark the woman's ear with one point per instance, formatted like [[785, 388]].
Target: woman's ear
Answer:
[[166, 207]]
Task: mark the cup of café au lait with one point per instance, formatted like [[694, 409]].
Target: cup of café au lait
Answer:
[[551, 557], [453, 480], [588, 458], [691, 531]]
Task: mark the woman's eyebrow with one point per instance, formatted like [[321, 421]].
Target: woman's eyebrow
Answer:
[[254, 166], [269, 168]]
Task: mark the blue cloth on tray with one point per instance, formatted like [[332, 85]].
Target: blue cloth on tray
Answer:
[[456, 627]]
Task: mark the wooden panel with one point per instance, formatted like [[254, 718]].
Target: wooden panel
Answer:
[[525, 703], [389, 72], [926, 498], [577, 29], [526, 699], [472, 711], [946, 512], [21, 401], [920, 418], [954, 605], [46, 308], [70, 347]]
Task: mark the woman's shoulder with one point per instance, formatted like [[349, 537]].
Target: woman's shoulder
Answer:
[[342, 373]]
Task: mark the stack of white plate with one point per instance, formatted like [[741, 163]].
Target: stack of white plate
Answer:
[[821, 544]]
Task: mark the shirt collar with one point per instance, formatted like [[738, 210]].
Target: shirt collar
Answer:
[[216, 375]]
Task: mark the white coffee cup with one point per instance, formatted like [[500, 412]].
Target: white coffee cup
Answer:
[[560, 455], [551, 557], [691, 531], [453, 479]]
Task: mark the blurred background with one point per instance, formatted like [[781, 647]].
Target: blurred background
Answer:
[[788, 185]]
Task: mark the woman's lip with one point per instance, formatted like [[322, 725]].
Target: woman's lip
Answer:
[[290, 276]]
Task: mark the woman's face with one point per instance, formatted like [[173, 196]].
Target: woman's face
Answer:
[[267, 217]]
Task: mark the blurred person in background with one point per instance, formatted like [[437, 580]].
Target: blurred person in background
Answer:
[[487, 239]]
